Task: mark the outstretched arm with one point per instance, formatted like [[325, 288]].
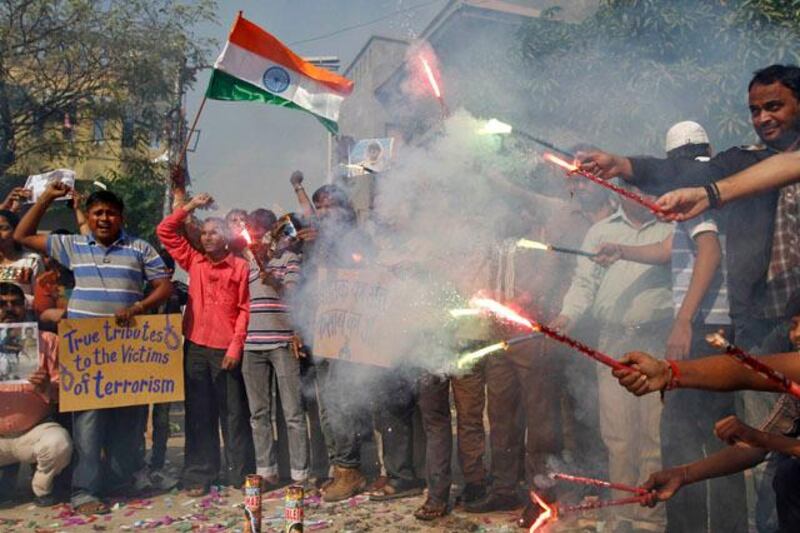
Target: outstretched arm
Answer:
[[772, 173], [25, 234]]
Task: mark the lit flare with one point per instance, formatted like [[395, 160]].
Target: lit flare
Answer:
[[460, 313], [431, 78], [495, 127], [532, 245], [468, 359], [500, 310], [572, 168], [549, 512]]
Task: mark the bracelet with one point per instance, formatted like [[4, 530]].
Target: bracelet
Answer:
[[712, 191], [674, 375]]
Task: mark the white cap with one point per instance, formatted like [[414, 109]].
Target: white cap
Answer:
[[684, 133]]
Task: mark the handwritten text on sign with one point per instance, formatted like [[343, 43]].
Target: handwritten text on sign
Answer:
[[349, 303], [106, 365]]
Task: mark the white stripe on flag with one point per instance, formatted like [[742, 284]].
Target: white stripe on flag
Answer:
[[302, 90]]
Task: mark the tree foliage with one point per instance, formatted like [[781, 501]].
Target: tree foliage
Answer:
[[622, 76], [65, 61]]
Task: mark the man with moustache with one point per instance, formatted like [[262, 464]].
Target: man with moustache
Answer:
[[763, 251]]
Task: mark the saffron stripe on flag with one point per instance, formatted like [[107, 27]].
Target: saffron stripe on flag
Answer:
[[249, 36]]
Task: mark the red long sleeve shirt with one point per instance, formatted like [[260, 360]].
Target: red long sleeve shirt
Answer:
[[218, 309]]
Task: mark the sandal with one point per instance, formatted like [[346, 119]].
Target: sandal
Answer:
[[431, 510], [392, 492], [197, 491], [92, 508]]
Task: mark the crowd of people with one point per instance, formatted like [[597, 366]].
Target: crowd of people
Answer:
[[648, 285]]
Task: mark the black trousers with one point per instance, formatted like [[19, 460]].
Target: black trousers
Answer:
[[687, 434], [786, 484], [215, 398]]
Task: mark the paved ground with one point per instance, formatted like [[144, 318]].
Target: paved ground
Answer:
[[221, 511]]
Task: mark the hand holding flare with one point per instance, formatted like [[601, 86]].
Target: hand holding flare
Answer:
[[574, 169], [717, 340]]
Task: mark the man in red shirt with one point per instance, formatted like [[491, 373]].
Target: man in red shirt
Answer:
[[28, 434], [215, 327]]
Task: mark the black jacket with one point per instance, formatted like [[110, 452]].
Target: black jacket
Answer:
[[750, 222]]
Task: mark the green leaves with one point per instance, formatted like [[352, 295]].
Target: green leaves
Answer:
[[622, 76]]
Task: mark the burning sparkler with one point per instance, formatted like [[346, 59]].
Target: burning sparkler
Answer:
[[361, 168], [548, 512], [496, 127], [574, 169], [467, 360], [552, 512], [535, 245], [717, 340], [461, 313], [437, 92], [250, 248], [512, 316]]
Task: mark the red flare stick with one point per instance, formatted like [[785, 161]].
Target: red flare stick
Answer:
[[574, 169], [598, 483], [589, 506], [598, 356], [787, 385], [510, 315]]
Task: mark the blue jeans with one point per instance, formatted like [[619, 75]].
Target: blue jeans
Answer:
[[260, 370], [116, 431]]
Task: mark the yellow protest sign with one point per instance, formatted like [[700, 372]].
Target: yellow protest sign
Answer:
[[106, 365]]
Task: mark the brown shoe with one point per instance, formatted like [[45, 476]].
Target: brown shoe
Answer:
[[347, 482]]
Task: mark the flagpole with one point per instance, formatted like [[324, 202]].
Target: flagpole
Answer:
[[191, 130]]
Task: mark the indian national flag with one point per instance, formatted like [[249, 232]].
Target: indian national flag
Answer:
[[255, 66]]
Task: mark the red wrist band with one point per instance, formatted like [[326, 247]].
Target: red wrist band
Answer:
[[675, 375]]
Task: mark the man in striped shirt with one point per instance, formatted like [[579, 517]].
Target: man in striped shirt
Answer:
[[267, 356], [111, 269]]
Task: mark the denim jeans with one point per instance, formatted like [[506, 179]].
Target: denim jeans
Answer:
[[348, 392], [339, 415], [116, 431], [261, 369]]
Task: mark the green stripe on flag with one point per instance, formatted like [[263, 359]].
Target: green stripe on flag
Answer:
[[223, 86]]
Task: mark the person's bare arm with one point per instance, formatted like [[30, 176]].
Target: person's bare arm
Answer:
[[772, 173], [15, 198], [25, 233], [306, 207], [709, 257], [733, 431], [646, 374], [731, 460]]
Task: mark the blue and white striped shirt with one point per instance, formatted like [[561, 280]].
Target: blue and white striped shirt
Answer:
[[107, 279], [714, 309]]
